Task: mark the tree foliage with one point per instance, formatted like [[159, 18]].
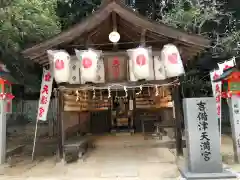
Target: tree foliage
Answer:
[[71, 12], [214, 19], [210, 18], [24, 23], [27, 22]]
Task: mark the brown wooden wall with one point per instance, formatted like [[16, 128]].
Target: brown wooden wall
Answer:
[[75, 122], [100, 122]]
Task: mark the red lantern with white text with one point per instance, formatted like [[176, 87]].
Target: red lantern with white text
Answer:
[[89, 64], [172, 61]]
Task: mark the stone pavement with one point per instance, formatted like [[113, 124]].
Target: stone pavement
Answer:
[[115, 158]]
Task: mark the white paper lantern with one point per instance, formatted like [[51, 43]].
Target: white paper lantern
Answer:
[[172, 61], [88, 67], [159, 68], [60, 61], [140, 58], [114, 36]]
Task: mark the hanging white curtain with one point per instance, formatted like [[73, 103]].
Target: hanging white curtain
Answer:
[[60, 62], [172, 61]]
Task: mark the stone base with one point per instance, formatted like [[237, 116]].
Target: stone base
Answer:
[[199, 176]]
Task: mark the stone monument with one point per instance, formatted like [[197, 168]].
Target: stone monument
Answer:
[[203, 159]]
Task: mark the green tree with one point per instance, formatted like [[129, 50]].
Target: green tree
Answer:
[[24, 23], [211, 18], [71, 12]]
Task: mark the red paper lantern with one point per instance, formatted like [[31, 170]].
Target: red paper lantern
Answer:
[[86, 62], [116, 67], [141, 60], [59, 64], [173, 58], [116, 61]]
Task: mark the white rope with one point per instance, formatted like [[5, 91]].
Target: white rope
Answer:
[[119, 86]]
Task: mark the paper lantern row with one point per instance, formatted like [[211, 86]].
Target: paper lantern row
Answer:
[[142, 65]]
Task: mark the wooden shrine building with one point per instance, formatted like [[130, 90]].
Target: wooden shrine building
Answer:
[[134, 29]]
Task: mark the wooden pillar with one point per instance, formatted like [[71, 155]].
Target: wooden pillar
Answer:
[[178, 119], [60, 124]]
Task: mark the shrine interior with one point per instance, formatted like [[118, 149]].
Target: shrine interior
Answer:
[[134, 113]]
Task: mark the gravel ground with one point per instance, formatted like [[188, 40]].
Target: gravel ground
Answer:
[[115, 157]]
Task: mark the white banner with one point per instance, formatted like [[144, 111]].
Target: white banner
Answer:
[[217, 90], [45, 94], [227, 64]]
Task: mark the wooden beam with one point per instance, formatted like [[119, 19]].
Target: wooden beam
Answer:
[[79, 40], [36, 55], [114, 21], [59, 96], [44, 64], [100, 29], [41, 58], [115, 28], [102, 35], [135, 29], [143, 37], [127, 34], [88, 42]]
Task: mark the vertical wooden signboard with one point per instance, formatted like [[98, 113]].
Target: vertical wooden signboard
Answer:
[[115, 68]]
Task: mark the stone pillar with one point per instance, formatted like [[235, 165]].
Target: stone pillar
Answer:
[[234, 111], [202, 139], [3, 131]]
